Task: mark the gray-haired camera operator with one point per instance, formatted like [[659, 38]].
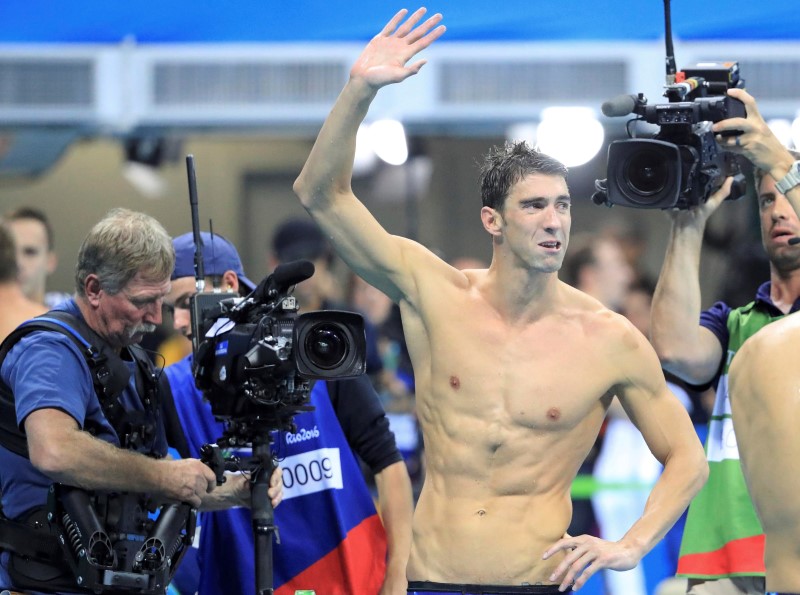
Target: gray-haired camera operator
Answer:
[[723, 543], [83, 429]]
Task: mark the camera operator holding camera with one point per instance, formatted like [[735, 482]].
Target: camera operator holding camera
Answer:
[[331, 537], [507, 418], [95, 419], [723, 544], [761, 377]]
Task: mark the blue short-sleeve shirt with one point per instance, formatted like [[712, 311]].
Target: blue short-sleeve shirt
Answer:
[[46, 370]]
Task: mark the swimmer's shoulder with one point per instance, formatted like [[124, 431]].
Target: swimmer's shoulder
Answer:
[[596, 318]]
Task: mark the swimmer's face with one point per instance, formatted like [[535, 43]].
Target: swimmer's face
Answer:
[[535, 221]]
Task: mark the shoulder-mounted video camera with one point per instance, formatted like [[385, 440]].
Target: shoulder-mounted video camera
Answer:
[[255, 355], [254, 358], [682, 164]]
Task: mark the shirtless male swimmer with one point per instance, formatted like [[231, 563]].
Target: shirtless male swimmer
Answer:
[[514, 369]]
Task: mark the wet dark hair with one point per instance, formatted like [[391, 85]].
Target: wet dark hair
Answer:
[[503, 166]]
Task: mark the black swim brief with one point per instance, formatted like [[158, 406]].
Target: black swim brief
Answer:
[[427, 587]]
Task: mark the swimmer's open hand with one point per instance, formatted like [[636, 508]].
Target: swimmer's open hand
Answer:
[[385, 58], [585, 556]]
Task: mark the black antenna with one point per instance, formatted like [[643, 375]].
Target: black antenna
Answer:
[[199, 273], [216, 280], [670, 61]]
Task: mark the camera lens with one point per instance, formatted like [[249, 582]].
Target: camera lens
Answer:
[[326, 346], [646, 172]]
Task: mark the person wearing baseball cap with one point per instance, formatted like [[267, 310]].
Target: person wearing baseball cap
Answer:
[[325, 524], [221, 265]]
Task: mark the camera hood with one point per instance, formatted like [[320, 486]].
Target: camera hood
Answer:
[[330, 344], [645, 173]]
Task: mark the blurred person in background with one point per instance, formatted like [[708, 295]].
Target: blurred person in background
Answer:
[[626, 470], [597, 265], [395, 381], [763, 378], [17, 307], [36, 256]]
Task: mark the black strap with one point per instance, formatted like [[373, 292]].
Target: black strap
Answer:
[[11, 437], [37, 560], [157, 393], [24, 539]]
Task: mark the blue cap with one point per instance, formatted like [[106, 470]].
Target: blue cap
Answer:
[[219, 255]]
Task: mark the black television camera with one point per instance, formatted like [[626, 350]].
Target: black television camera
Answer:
[[254, 358], [253, 361], [683, 163]]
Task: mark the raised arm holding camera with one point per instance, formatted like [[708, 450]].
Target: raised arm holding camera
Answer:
[[506, 420], [82, 408], [752, 138], [723, 544]]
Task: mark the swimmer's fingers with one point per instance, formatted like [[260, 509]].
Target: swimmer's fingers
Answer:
[[568, 542], [585, 556], [572, 563], [580, 570]]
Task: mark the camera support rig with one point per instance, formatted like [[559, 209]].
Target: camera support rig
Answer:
[[261, 466], [262, 463]]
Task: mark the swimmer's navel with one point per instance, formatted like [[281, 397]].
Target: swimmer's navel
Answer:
[[481, 512], [455, 382]]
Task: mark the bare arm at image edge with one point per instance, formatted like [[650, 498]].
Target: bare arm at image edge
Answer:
[[686, 349]]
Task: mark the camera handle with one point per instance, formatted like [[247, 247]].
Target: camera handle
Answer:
[[212, 457], [261, 465]]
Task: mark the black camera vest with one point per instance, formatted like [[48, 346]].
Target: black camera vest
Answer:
[[35, 550], [137, 430]]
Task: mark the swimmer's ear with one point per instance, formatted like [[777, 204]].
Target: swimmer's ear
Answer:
[[492, 220]]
